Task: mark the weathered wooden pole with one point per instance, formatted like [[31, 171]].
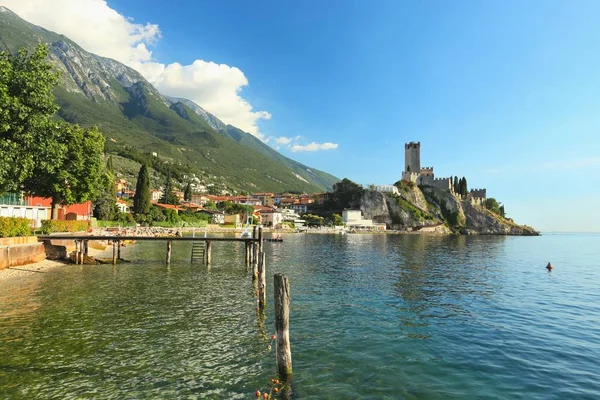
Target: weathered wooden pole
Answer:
[[254, 232], [262, 281], [281, 291], [114, 252], [119, 250], [260, 239], [76, 252], [254, 261], [208, 252], [81, 252], [247, 259], [86, 248], [169, 246]]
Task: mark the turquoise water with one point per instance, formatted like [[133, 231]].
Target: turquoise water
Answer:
[[373, 316]]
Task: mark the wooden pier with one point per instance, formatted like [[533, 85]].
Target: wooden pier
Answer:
[[201, 247]]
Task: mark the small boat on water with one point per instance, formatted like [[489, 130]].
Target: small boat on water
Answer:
[[274, 239]]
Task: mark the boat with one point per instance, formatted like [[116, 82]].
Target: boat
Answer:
[[246, 234], [273, 239]]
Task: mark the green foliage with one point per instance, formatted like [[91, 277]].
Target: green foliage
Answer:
[[12, 226], [142, 200], [336, 219], [52, 226], [76, 175], [234, 208], [313, 220], [462, 187], [493, 205], [346, 194], [105, 204], [171, 216], [115, 224], [168, 197], [187, 194], [411, 209], [27, 133], [456, 185]]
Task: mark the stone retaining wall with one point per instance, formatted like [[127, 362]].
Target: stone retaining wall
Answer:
[[21, 254]]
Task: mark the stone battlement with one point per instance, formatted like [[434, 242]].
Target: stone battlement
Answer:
[[412, 145], [478, 193]]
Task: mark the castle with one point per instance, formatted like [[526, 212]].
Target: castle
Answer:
[[423, 176]]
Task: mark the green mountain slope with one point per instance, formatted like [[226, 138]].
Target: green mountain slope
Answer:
[[138, 121]]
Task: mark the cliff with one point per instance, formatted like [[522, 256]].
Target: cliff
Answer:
[[429, 209]]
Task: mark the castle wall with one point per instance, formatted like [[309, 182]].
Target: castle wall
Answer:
[[410, 177], [412, 157], [480, 193]]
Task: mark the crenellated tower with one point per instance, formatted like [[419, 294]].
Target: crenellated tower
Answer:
[[412, 157]]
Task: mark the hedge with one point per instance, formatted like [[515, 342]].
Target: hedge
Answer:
[[52, 226], [13, 226]]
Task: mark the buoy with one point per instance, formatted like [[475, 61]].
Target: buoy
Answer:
[[549, 267]]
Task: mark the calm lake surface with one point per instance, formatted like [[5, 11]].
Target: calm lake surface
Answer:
[[373, 316]]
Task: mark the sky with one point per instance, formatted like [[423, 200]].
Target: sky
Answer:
[[505, 93]]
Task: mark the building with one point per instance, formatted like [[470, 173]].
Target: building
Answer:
[[162, 206], [216, 217], [266, 199], [386, 189], [233, 219], [16, 205], [299, 208], [422, 176], [73, 212], [353, 219], [123, 206], [155, 195], [272, 218]]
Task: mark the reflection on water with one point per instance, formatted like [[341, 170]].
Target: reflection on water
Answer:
[[373, 316]]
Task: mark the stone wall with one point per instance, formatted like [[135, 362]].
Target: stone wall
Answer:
[[21, 254]]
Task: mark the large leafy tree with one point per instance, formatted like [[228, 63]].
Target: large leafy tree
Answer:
[[27, 133], [142, 200], [77, 173]]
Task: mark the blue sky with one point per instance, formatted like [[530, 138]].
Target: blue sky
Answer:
[[502, 92]]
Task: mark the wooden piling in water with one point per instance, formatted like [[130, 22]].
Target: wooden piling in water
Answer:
[[119, 250], [262, 281], [281, 291], [208, 252], [254, 261], [260, 239], [247, 256], [76, 252], [169, 246], [86, 248], [114, 243]]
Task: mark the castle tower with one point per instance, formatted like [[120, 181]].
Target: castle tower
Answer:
[[412, 157]]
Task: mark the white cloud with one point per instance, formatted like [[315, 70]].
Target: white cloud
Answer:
[[103, 31], [283, 140], [314, 146]]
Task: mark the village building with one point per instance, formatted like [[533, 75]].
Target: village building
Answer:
[[216, 217], [123, 206]]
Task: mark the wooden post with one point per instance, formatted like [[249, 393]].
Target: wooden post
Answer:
[[254, 261], [254, 232], [86, 248], [208, 252], [262, 281], [81, 252], [247, 259], [76, 252], [169, 245], [119, 250], [114, 253], [260, 239], [282, 318]]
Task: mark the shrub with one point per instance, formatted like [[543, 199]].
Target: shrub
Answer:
[[52, 226], [13, 226]]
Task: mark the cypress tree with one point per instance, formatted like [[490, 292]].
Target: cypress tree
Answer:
[[456, 188], [187, 195], [465, 187], [142, 201], [168, 197]]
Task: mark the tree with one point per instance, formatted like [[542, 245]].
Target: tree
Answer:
[[465, 187], [337, 220], [462, 186], [501, 213], [142, 201], [492, 205], [27, 133], [456, 187], [168, 197], [187, 194], [77, 173], [105, 204]]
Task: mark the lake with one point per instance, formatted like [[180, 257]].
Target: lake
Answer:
[[372, 316]]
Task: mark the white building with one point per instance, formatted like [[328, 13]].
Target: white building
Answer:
[[123, 206], [271, 218], [386, 189], [354, 219]]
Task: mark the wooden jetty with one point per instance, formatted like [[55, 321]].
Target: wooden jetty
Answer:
[[201, 246]]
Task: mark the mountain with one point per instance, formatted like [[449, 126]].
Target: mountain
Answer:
[[138, 121]]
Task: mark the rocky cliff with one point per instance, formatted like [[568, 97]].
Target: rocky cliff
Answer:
[[429, 209]]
